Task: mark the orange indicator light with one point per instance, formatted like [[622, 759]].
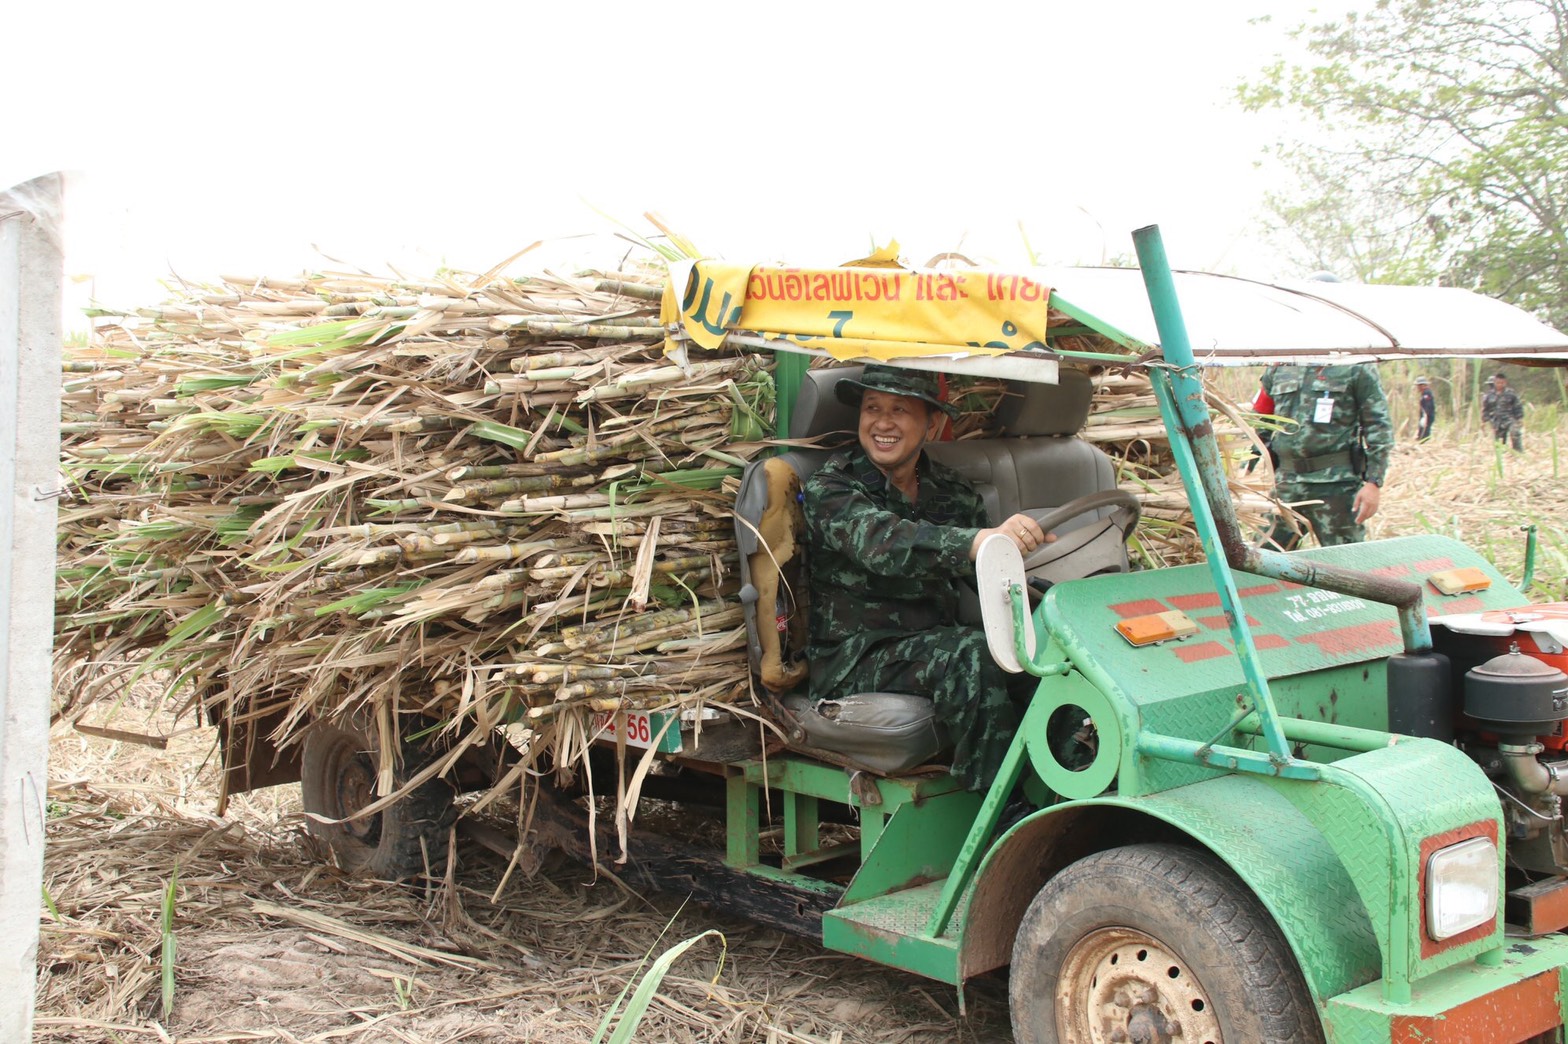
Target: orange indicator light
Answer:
[[1458, 581], [1156, 627]]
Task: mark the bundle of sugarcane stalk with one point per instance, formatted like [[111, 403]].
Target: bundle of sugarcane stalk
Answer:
[[1125, 422], [480, 499], [302, 495]]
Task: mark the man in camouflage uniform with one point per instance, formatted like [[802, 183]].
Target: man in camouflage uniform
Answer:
[[1501, 408], [891, 532], [1335, 450]]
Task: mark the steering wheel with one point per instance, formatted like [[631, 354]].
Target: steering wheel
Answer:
[[1089, 549]]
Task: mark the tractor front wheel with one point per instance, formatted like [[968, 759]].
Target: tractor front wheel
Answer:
[[341, 763], [1154, 943]]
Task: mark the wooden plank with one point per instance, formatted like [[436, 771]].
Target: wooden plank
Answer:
[[677, 867]]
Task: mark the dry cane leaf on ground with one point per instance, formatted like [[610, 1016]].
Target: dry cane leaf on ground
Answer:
[[276, 944]]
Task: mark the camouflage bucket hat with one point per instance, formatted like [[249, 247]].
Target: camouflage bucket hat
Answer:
[[917, 384]]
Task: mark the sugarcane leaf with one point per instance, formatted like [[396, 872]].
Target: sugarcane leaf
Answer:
[[193, 385], [637, 1007], [495, 431], [169, 947], [320, 334], [183, 633], [366, 600]]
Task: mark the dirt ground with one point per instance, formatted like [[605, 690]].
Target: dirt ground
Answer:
[[272, 943]]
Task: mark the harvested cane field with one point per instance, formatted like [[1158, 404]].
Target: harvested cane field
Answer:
[[471, 499]]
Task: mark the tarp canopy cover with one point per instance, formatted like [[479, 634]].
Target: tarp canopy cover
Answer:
[[873, 309]]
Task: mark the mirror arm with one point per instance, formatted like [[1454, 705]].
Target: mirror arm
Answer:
[[1021, 620]]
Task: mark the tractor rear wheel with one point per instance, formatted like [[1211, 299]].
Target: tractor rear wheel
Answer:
[[341, 763], [1154, 943]]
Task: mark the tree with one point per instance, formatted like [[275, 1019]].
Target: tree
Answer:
[[1442, 152]]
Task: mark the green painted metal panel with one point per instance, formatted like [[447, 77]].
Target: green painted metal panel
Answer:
[[1297, 629], [802, 776], [801, 825], [918, 844], [742, 818], [889, 930], [1356, 695], [1324, 653], [1288, 864], [1376, 808], [1074, 694]]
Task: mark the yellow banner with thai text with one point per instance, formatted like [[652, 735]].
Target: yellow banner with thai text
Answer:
[[860, 311]]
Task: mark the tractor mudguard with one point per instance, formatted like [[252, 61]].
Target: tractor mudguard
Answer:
[[1336, 862], [1268, 842]]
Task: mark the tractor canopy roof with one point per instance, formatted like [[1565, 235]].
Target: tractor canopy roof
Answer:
[[1017, 324]]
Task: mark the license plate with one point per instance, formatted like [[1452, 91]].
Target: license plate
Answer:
[[642, 729]]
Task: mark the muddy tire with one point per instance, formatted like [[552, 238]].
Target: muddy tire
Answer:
[[406, 839], [1154, 942]]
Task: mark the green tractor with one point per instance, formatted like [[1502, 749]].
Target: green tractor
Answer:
[[1273, 797]]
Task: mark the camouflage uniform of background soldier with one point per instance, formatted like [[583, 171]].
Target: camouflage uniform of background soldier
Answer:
[[1335, 450], [1501, 408], [885, 570]]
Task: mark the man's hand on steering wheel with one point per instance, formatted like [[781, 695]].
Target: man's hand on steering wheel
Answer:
[[1023, 531]]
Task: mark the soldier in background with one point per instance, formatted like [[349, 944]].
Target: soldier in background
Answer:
[[890, 533], [1428, 408], [1501, 408], [1334, 452]]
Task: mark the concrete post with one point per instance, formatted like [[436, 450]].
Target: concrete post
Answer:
[[31, 267]]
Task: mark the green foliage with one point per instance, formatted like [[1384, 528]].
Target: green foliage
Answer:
[[505, 434], [169, 948], [364, 601], [637, 1007], [1440, 149]]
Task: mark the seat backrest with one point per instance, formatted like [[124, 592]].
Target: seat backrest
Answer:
[[1040, 463], [770, 528]]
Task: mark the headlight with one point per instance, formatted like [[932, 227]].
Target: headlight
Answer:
[[1461, 887]]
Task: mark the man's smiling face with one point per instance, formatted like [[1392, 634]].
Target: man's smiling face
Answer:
[[894, 427]]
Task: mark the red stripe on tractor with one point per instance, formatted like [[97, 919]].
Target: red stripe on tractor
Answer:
[[1195, 601], [1360, 638], [1142, 607], [1468, 604], [1204, 651]]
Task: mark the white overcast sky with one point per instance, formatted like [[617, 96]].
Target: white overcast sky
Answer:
[[258, 138]]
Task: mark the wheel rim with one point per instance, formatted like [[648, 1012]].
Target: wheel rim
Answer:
[[1119, 984], [352, 776]]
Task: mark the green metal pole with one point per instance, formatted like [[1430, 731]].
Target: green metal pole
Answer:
[[1529, 558], [1326, 734], [789, 370], [1186, 415]]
